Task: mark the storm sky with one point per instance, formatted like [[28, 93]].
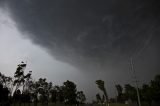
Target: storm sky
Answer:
[[82, 40]]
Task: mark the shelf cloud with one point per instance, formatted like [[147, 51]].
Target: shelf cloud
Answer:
[[84, 33]]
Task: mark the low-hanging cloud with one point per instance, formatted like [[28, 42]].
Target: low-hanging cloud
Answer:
[[96, 36], [84, 32]]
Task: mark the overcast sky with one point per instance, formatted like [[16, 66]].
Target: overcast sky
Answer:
[[82, 40]]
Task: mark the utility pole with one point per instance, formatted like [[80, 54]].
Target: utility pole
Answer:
[[136, 82]]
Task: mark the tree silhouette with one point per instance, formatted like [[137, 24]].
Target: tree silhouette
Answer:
[[155, 85], [147, 94], [81, 97], [26, 95], [101, 86], [42, 90], [69, 90], [25, 90], [34, 89], [130, 92], [60, 93], [100, 99], [54, 95], [17, 97], [19, 76], [22, 80], [6, 81], [4, 92], [120, 94]]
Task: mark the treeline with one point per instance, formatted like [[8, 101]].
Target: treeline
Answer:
[[21, 89], [149, 93]]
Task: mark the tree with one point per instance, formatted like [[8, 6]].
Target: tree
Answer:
[[43, 91], [81, 97], [101, 86], [4, 95], [22, 80], [19, 76], [147, 94], [69, 90], [54, 95], [98, 97], [155, 85], [60, 93], [28, 80], [130, 92], [120, 94], [34, 89], [26, 95], [6, 81], [43, 88], [17, 96]]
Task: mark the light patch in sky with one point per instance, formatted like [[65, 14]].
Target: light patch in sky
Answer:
[[14, 49]]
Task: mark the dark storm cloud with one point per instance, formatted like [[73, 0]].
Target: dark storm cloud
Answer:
[[94, 35], [78, 31]]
